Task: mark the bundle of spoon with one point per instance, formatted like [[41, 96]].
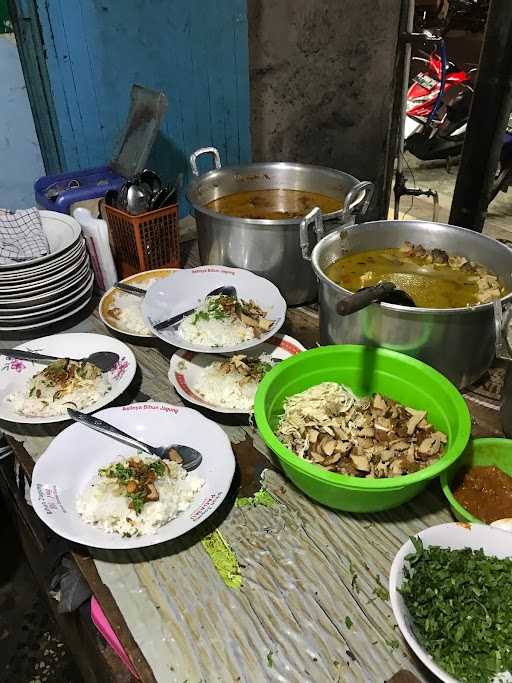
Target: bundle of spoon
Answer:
[[144, 192]]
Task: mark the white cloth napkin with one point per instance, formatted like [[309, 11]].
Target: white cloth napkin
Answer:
[[22, 237]]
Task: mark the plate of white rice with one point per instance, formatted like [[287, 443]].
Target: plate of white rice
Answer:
[[227, 384], [122, 312], [108, 503], [72, 495], [199, 331], [24, 400]]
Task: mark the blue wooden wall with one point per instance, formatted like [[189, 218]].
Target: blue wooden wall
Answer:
[[196, 51]]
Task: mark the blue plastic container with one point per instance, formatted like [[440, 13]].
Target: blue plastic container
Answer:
[[58, 192]]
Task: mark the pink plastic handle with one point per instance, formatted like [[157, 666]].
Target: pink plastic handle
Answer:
[[102, 624]]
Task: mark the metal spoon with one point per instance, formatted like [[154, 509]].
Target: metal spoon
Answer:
[[385, 292], [130, 289], [227, 291], [137, 199], [104, 360], [149, 178], [189, 458], [163, 197], [121, 197], [111, 197]]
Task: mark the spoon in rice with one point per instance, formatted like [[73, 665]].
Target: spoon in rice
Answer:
[[104, 360], [130, 289], [189, 458], [226, 291]]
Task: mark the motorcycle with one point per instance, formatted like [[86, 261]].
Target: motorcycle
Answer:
[[503, 176], [439, 99], [438, 103], [437, 116]]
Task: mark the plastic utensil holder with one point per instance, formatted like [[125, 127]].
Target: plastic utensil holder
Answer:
[[144, 242]]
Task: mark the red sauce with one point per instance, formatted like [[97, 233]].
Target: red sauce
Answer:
[[485, 492]]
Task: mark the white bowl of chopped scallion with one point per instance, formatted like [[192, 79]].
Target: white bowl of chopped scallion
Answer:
[[451, 592]]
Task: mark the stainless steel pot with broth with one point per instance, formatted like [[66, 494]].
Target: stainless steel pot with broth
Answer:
[[459, 342], [249, 216]]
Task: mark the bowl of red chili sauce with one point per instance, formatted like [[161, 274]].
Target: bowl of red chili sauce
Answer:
[[479, 485]]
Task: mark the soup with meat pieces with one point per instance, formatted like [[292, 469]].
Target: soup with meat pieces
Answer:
[[273, 204], [432, 278]]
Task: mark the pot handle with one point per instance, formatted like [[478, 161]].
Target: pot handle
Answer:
[[356, 204], [199, 152], [314, 216]]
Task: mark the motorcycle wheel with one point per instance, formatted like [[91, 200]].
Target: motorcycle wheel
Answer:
[[499, 180]]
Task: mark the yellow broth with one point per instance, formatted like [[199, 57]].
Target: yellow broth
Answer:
[[273, 204], [430, 285]]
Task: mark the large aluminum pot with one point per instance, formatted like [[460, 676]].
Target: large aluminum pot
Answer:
[[459, 342], [269, 248]]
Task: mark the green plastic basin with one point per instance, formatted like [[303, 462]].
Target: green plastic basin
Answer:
[[479, 453], [365, 370]]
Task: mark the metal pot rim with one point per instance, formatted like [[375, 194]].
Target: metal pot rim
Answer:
[[394, 307], [260, 222]]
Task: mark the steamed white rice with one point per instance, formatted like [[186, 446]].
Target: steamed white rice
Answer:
[[128, 314], [90, 391], [101, 504], [228, 390], [214, 332]]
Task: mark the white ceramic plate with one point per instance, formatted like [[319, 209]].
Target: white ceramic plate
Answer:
[[47, 291], [188, 288], [187, 367], [28, 275], [48, 316], [52, 319], [47, 270], [61, 301], [44, 279], [455, 536], [137, 280], [75, 455], [61, 230], [44, 304], [49, 298], [14, 374]]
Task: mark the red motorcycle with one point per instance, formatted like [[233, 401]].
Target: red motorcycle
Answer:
[[436, 116], [437, 92]]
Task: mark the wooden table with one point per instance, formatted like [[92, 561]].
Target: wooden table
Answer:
[[313, 603]]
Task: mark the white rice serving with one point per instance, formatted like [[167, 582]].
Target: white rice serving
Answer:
[[229, 389], [103, 504], [213, 332], [126, 309], [224, 320], [50, 394]]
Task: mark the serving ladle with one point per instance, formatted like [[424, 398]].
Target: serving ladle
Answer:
[[384, 292], [104, 360], [227, 291], [189, 458]]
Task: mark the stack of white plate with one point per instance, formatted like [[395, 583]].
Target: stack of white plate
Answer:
[[50, 288]]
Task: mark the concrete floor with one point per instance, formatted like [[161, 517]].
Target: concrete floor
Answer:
[[436, 175]]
